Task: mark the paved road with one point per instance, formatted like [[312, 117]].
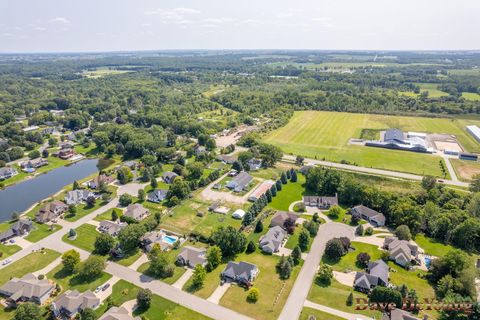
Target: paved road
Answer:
[[373, 171], [338, 313], [298, 295], [174, 294], [450, 169]]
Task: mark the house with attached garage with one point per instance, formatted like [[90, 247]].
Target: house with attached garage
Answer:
[[50, 211], [281, 217], [191, 256], [111, 227], [77, 196], [19, 228], [136, 211], [240, 182], [243, 273], [321, 202], [34, 163], [117, 313], [401, 251], [7, 172], [27, 288], [69, 303], [96, 182], [376, 275], [254, 164], [272, 240], [169, 176], [377, 219], [157, 195]]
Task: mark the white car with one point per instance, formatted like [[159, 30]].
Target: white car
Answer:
[[98, 289], [6, 261]]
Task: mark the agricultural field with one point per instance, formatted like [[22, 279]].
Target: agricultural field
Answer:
[[102, 72], [465, 169], [471, 96], [325, 135], [432, 89]]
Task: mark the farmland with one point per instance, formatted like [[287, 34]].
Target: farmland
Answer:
[[325, 135]]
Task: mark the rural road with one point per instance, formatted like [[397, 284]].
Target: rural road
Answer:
[[373, 171], [298, 295]]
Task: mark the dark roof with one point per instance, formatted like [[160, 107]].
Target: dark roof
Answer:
[[399, 314], [242, 179], [393, 135], [280, 217], [241, 270], [379, 269], [370, 213]]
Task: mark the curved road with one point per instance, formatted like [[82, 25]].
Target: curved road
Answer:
[[298, 295]]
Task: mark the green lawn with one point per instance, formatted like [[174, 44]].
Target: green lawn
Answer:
[[325, 135], [212, 281], [432, 89], [122, 291], [471, 96], [32, 262], [348, 262], [172, 256], [71, 282], [273, 290], [86, 236], [7, 251], [291, 192], [432, 247], [129, 258], [41, 231], [83, 210], [292, 240], [319, 315]]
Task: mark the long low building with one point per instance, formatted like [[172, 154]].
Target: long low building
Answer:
[[474, 131], [261, 190]]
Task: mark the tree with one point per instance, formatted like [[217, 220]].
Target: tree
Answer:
[[72, 209], [288, 174], [115, 215], [141, 194], [283, 178], [350, 299], [284, 267], [273, 190], [304, 239], [214, 257], [251, 247], [45, 153], [70, 260], [475, 184], [91, 201], [27, 311], [237, 165], [144, 299], [316, 217], [403, 233], [259, 226], [87, 314], [154, 183], [325, 274], [179, 188], [334, 249], [296, 255], [289, 225], [294, 177], [92, 267], [125, 199], [76, 185], [359, 230], [129, 237], [268, 194], [198, 276], [428, 182], [124, 175], [369, 231], [335, 212], [160, 265], [230, 240], [104, 243], [312, 227], [386, 295], [253, 295], [278, 185], [363, 258], [247, 219]]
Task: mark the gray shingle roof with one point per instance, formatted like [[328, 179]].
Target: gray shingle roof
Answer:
[[27, 287], [74, 301], [192, 256]]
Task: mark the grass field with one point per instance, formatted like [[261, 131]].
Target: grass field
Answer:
[[471, 96], [69, 281], [41, 231], [86, 236], [8, 250], [319, 315], [325, 135], [432, 89], [465, 169]]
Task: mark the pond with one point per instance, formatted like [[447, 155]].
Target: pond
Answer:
[[23, 195]]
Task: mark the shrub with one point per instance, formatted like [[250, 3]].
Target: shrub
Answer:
[[253, 295]]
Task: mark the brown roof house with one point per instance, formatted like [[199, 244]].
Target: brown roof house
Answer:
[[372, 216], [117, 313], [98, 180], [110, 227], [69, 303], [401, 251], [320, 202], [50, 211], [191, 256], [280, 217], [136, 211], [27, 288], [19, 228]]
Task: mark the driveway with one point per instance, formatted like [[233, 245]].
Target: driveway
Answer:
[[219, 292], [212, 195], [143, 258], [183, 279], [104, 294], [338, 313], [345, 278], [299, 293]]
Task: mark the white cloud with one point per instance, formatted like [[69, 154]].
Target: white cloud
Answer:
[[60, 20], [180, 15]]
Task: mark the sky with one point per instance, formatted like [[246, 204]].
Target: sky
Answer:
[[126, 25]]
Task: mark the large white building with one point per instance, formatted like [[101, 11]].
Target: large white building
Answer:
[[474, 131]]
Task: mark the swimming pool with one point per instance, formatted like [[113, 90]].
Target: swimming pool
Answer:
[[170, 239], [428, 261]]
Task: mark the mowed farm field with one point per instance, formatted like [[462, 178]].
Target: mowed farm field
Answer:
[[325, 135]]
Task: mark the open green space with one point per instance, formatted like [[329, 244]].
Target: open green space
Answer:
[[348, 262], [292, 240], [307, 313], [273, 291], [212, 281], [32, 262], [70, 281], [41, 231], [432, 247], [471, 96], [325, 135], [291, 192], [86, 236], [178, 271], [7, 250], [432, 89]]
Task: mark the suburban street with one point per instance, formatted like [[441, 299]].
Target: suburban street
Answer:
[[373, 171]]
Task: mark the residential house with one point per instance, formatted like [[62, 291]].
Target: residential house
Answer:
[[117, 313], [273, 239], [191, 256], [254, 164], [321, 202], [305, 169], [401, 251], [34, 163], [199, 150], [261, 190], [281, 217], [69, 303], [99, 180], [240, 182], [66, 154], [50, 211], [228, 159], [66, 145], [19, 228], [132, 164], [7, 172], [111, 227], [243, 273], [157, 195], [78, 196], [376, 275], [136, 211], [27, 288], [169, 176], [149, 239], [398, 314], [238, 214], [372, 216]]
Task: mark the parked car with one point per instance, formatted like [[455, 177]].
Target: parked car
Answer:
[[105, 287], [12, 240], [97, 290], [6, 261]]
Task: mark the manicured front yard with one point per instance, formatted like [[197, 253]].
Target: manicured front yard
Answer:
[[273, 290], [30, 263], [41, 231], [72, 282], [432, 247], [7, 251], [319, 315], [292, 240], [171, 255], [291, 192], [86, 236], [348, 262], [212, 281], [129, 258]]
